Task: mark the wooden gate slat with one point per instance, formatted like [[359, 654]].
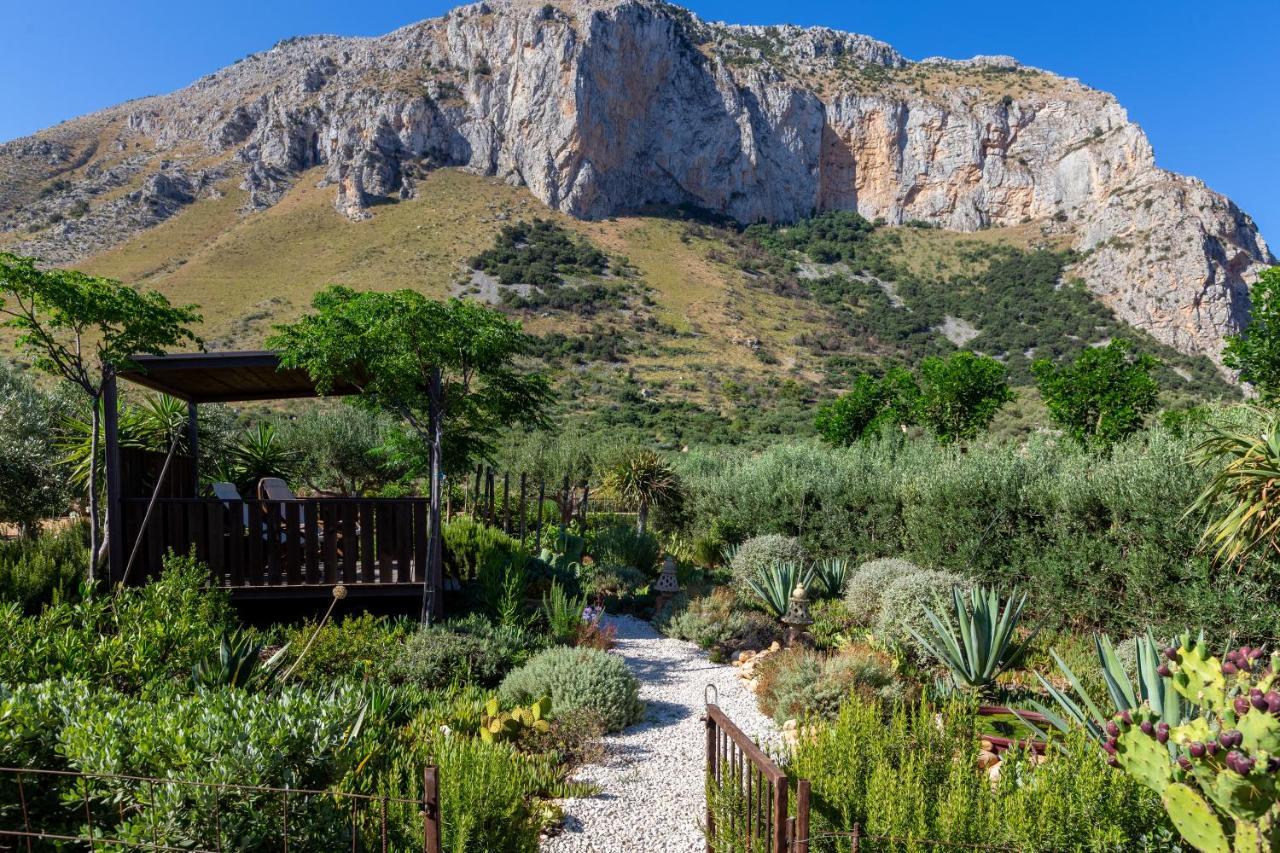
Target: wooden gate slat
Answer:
[[420, 546], [331, 536], [271, 540], [367, 530], [214, 517], [350, 543], [236, 540], [293, 542], [254, 569], [312, 524]]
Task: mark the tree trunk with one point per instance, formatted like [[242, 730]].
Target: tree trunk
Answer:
[[94, 418], [435, 550], [642, 518]]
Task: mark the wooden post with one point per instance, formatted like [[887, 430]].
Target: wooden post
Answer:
[[506, 502], [582, 510], [780, 814], [855, 835], [492, 495], [710, 780], [431, 810], [433, 582], [801, 840], [475, 502], [115, 503], [523, 508], [537, 524], [193, 446]]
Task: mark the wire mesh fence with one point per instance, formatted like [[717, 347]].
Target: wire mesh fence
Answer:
[[43, 809]]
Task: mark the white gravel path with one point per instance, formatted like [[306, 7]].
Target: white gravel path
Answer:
[[650, 781]]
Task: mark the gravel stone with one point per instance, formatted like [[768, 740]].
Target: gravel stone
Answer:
[[650, 780]]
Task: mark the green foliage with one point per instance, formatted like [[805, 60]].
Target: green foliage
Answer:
[[758, 555], [981, 642], [470, 545], [868, 407], [1240, 499], [829, 576], [905, 601], [1216, 772], [643, 480], [775, 584], [238, 662], [347, 451], [578, 678], [1152, 690], [798, 684], [389, 344], [258, 452], [960, 394], [539, 253], [32, 486], [827, 238], [356, 646], [716, 624], [131, 641], [622, 545], [1255, 352], [463, 651], [563, 613], [36, 572], [867, 584], [1102, 396], [910, 772]]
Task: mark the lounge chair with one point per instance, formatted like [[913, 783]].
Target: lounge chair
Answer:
[[227, 492]]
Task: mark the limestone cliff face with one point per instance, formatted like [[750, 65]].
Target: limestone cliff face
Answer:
[[604, 106]]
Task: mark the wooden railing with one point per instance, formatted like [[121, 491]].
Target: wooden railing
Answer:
[[740, 773], [260, 543]]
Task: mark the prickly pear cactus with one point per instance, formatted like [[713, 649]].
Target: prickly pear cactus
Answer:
[[498, 725], [1215, 774]]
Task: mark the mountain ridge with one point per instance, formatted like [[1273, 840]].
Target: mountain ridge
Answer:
[[604, 107]]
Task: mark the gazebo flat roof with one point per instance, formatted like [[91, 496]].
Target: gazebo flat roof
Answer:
[[224, 377]]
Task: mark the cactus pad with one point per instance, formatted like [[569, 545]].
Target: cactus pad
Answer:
[[1198, 675], [1144, 759], [1194, 819]]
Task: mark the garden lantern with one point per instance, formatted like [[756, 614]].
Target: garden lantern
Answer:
[[668, 584], [797, 618]]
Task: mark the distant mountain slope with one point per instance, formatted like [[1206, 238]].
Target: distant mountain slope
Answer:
[[604, 107]]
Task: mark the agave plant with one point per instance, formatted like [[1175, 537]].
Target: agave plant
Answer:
[[238, 663], [830, 574], [1152, 689], [979, 639], [775, 585], [1246, 488]]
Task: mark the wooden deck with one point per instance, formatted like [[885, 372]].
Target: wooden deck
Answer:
[[304, 547]]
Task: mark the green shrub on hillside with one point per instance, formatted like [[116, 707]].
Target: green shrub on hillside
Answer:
[[798, 684], [865, 587], [356, 646], [578, 678], [539, 253], [903, 602], [463, 651], [470, 545], [758, 555], [35, 572]]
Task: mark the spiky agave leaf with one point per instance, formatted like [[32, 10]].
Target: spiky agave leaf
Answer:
[[980, 642], [776, 584]]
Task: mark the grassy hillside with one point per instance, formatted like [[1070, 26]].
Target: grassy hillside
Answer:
[[704, 331]]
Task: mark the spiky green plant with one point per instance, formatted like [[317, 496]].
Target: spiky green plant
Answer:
[[829, 575], [1242, 500], [775, 585], [644, 480], [978, 639], [238, 663], [1155, 692], [563, 612]]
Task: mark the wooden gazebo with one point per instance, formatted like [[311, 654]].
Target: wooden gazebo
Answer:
[[254, 547]]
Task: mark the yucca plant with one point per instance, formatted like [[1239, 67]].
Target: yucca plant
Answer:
[[775, 585], [829, 575], [644, 480], [238, 663], [978, 640], [1242, 499], [1152, 690]]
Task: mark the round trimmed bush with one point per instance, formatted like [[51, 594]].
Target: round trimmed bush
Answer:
[[758, 554], [581, 678], [903, 602], [865, 586]]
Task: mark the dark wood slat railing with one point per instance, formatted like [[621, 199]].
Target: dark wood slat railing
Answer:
[[737, 764], [309, 541]]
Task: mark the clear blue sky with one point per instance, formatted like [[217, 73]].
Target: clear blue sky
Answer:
[[1201, 78]]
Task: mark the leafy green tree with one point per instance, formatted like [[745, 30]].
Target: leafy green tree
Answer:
[[1255, 352], [960, 394], [79, 327], [32, 484], [389, 345], [868, 406], [1102, 396], [350, 451]]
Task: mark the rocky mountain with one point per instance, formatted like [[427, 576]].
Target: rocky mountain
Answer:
[[605, 106]]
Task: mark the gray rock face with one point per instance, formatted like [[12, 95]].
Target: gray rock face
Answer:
[[602, 106]]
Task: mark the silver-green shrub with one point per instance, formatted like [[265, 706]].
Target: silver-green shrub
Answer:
[[903, 602], [866, 585], [758, 554], [578, 678]]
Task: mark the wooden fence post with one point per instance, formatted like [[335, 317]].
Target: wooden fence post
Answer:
[[800, 842], [780, 814], [710, 780], [523, 508], [537, 524], [430, 810], [855, 834], [506, 502]]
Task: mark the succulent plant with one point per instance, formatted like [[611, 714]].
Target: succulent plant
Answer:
[[1153, 690], [981, 641], [829, 575], [498, 725], [775, 585], [238, 663], [1216, 773]]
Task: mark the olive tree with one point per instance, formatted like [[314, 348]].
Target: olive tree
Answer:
[[1102, 396], [81, 328]]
